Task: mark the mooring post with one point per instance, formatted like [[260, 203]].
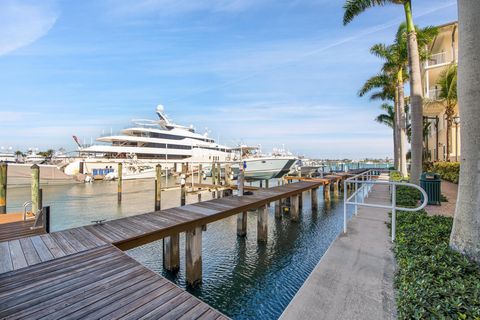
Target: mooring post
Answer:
[[119, 185], [193, 256], [200, 173], [35, 188], [314, 200], [295, 210], [241, 217], [214, 176], [183, 193], [219, 173], [278, 209], [266, 183], [261, 184], [228, 172], [262, 224], [158, 188], [3, 187]]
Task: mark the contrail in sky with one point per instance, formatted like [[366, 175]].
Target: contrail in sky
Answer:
[[337, 43]]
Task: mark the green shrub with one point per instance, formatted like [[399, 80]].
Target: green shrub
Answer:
[[449, 171], [432, 280]]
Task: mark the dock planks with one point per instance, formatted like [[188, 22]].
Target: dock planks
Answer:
[[81, 272], [18, 229], [100, 283], [130, 232]]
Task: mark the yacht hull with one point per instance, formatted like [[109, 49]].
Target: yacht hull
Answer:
[[267, 168]]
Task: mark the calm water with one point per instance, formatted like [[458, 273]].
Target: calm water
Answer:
[[241, 278]]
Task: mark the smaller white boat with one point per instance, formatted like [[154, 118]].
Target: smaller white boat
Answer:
[[7, 155], [264, 167], [33, 157]]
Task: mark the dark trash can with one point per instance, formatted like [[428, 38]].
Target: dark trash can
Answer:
[[431, 183]]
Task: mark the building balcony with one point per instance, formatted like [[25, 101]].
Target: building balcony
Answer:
[[441, 58]]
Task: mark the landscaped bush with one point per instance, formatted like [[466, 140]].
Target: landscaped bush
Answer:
[[432, 280], [449, 171]]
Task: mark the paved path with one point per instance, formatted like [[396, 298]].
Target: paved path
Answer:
[[354, 279], [450, 190]]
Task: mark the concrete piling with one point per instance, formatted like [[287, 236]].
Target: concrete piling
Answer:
[[36, 205], [262, 224], [158, 188], [3, 186], [193, 256]]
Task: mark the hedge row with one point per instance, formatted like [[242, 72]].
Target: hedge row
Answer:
[[432, 280], [449, 171]]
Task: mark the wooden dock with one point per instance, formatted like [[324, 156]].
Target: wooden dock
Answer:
[[81, 273]]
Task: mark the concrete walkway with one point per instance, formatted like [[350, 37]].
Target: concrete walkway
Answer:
[[449, 190], [354, 279]]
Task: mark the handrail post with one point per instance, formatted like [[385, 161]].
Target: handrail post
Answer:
[[356, 198], [394, 213], [345, 206]]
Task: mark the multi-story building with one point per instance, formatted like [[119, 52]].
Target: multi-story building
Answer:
[[443, 53]]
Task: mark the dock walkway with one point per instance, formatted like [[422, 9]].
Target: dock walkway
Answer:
[[81, 273], [354, 279]]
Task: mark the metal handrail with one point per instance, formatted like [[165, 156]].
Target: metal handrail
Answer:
[[366, 188], [25, 205]]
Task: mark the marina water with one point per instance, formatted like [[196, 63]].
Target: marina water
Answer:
[[241, 278]]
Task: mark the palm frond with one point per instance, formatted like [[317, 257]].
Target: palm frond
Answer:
[[354, 7]]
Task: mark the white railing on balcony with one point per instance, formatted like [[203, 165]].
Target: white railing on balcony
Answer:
[[437, 58], [434, 94]]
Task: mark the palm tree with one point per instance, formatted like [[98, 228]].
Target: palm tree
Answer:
[[465, 236], [387, 118], [448, 96], [354, 8], [383, 83]]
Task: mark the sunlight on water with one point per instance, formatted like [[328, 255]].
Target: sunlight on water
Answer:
[[241, 278]]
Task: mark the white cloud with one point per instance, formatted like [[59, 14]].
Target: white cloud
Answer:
[[24, 22]]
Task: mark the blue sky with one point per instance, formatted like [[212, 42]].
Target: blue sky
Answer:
[[254, 71]]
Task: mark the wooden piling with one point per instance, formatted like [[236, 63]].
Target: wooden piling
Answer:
[[171, 253], [193, 256], [158, 188], [242, 224], [300, 201], [119, 185], [335, 188], [314, 200], [214, 176], [200, 172], [183, 191], [35, 188], [228, 172], [278, 209], [326, 192], [261, 184], [262, 224], [219, 173], [266, 183], [295, 210], [3, 187]]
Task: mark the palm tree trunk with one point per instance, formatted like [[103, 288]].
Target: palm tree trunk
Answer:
[[396, 132], [402, 125], [416, 96], [465, 236]]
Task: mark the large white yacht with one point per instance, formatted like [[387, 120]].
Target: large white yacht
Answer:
[[159, 140], [148, 142]]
